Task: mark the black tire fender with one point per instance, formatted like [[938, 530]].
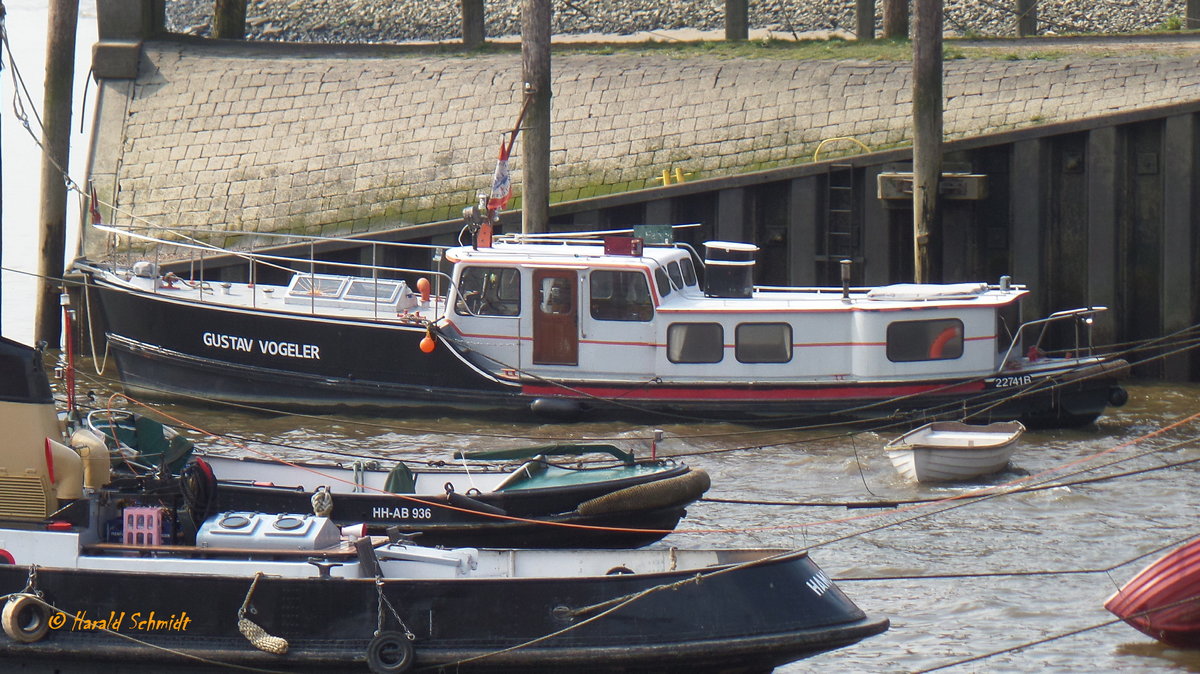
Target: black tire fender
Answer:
[[390, 653]]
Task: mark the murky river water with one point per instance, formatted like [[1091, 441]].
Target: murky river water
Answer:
[[939, 617]]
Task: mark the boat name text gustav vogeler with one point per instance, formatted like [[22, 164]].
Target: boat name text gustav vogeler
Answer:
[[266, 346]]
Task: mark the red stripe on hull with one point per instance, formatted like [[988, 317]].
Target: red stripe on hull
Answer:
[[742, 393]]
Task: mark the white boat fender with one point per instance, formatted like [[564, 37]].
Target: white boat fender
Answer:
[[26, 618], [390, 653]]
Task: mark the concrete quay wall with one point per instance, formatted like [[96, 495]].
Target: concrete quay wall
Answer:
[[292, 138]]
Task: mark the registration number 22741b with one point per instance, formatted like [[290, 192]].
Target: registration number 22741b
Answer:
[[1022, 380]]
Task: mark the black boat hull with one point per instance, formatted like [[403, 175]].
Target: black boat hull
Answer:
[[750, 618], [160, 350], [533, 518]]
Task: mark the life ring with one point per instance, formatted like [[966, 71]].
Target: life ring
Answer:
[[25, 618], [938, 346], [390, 653]]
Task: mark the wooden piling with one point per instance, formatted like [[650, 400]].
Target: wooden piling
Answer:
[[1026, 18], [927, 139], [895, 19], [472, 23], [229, 19], [56, 139], [737, 20], [864, 14], [535, 67]]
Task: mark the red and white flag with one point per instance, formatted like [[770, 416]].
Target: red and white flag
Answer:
[[93, 208], [501, 182]]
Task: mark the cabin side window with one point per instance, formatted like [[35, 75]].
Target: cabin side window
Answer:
[[909, 341], [620, 296], [763, 342], [695, 343], [489, 291]]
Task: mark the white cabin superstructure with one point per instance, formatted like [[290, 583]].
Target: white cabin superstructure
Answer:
[[572, 311]]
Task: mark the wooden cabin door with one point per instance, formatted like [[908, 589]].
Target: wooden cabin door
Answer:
[[555, 317]]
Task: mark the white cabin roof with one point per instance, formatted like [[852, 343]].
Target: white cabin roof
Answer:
[[561, 253]]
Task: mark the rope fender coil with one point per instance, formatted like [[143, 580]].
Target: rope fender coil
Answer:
[[254, 633], [260, 639], [681, 489], [25, 619]]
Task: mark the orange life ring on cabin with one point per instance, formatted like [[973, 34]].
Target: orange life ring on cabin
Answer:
[[940, 342]]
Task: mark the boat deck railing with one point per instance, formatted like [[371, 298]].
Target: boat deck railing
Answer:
[[1081, 320], [196, 253]]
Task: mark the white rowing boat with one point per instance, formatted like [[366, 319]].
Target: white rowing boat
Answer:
[[950, 451]]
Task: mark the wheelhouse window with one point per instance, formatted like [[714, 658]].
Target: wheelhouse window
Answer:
[[695, 343], [689, 271], [620, 296], [763, 342], [909, 341], [675, 274], [489, 291], [662, 281]]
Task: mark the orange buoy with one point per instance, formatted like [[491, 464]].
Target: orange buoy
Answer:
[[427, 343], [423, 288]]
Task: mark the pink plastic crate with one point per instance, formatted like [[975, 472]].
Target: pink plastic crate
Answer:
[[142, 526]]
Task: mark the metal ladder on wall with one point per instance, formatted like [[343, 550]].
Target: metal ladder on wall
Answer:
[[841, 237]]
